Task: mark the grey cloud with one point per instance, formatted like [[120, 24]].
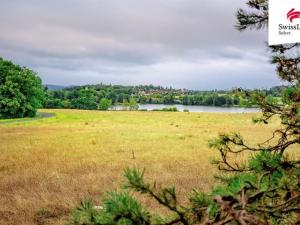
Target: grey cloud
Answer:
[[184, 43]]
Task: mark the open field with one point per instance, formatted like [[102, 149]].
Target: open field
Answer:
[[48, 165]]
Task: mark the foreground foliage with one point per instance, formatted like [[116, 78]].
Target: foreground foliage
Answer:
[[21, 91], [264, 189]]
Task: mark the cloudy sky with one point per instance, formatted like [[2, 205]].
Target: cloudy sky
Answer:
[[180, 43]]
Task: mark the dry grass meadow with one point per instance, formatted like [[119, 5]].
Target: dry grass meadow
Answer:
[[48, 165]]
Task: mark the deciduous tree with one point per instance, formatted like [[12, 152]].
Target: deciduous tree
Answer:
[[21, 91]]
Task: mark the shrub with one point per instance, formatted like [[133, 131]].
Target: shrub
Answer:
[[105, 104], [171, 109]]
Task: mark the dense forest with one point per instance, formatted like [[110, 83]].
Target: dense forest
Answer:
[[102, 96]]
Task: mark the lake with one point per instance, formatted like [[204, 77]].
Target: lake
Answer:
[[194, 108]]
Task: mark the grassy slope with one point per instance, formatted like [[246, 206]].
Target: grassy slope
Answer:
[[48, 165]]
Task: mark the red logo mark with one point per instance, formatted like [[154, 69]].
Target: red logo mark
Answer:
[[292, 14]]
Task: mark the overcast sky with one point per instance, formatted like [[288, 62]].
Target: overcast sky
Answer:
[[180, 43]]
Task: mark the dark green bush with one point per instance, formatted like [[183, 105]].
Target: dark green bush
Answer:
[[21, 91]]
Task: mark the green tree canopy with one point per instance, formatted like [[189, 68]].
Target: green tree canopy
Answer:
[[105, 104], [21, 91], [87, 100]]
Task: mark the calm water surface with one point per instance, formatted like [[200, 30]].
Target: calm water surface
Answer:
[[195, 108]]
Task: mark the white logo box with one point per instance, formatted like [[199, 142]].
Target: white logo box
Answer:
[[281, 29]]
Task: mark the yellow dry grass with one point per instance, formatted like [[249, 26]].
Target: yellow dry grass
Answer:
[[48, 165]]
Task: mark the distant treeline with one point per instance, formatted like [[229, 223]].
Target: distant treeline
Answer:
[[103, 96]]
